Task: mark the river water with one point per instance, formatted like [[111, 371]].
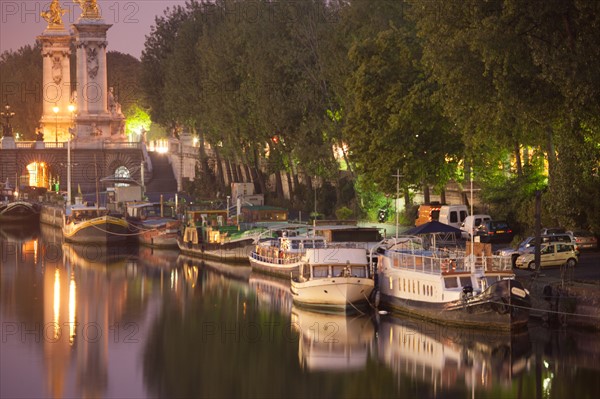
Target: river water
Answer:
[[136, 323]]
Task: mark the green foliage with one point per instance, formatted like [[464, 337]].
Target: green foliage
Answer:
[[123, 75], [343, 213], [425, 88], [137, 119], [21, 88]]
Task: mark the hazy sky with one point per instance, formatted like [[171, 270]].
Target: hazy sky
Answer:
[[20, 21]]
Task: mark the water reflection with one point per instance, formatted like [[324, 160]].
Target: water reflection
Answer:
[[121, 322], [446, 357], [332, 342], [272, 293]]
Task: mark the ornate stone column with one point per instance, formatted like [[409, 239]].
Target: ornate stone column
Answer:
[[93, 117], [56, 50]]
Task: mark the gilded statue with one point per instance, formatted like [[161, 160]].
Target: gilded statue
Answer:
[[54, 14], [89, 8]]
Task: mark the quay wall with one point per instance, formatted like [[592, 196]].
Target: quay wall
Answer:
[[572, 303], [52, 215]]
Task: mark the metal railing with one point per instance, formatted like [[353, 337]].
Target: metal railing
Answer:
[[436, 264], [276, 260]]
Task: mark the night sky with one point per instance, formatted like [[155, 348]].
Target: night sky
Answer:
[[20, 21]]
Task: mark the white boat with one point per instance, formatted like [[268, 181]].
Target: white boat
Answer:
[[333, 278], [90, 224], [281, 256], [449, 287]]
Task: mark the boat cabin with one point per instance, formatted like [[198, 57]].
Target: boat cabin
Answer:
[[80, 213], [301, 243], [264, 213], [335, 262], [149, 210]]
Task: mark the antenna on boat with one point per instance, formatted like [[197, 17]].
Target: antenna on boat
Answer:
[[97, 189], [397, 176], [472, 256]]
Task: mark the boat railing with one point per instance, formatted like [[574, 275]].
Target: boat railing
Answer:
[[285, 260], [446, 262]]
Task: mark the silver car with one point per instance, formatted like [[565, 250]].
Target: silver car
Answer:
[[551, 254], [527, 246]]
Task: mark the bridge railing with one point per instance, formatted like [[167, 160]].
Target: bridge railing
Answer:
[[75, 145]]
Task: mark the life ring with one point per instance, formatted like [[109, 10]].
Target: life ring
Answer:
[[448, 265]]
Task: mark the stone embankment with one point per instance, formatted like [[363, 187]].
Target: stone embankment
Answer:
[[568, 303]]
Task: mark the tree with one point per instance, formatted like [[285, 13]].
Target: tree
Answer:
[[394, 122], [21, 88]]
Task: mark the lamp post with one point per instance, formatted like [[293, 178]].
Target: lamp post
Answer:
[[7, 114], [71, 110], [228, 197], [55, 109]]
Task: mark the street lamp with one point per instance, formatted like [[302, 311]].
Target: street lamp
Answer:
[[71, 109], [7, 114], [56, 109]]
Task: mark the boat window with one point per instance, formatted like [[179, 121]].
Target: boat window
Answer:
[[338, 271], [295, 245], [464, 281], [320, 271], [451, 282], [359, 271]]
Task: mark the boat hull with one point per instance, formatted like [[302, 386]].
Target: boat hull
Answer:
[[264, 265], [155, 233], [100, 230], [335, 294], [232, 252], [159, 240], [498, 308]]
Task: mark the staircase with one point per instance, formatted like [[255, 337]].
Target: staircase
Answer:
[[163, 180]]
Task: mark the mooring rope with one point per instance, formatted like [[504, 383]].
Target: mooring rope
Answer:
[[120, 234], [547, 310]]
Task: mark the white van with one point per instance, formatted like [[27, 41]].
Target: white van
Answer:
[[471, 223], [453, 215]]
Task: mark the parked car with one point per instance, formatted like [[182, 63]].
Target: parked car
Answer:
[[494, 231], [453, 215], [471, 223], [584, 239], [552, 230], [527, 246], [551, 254]]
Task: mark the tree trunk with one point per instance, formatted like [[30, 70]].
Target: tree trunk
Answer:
[[238, 169], [257, 176], [219, 172], [518, 161], [290, 185], [551, 155], [278, 185], [426, 194]]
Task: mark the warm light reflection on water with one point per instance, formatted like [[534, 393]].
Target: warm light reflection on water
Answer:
[[96, 322], [72, 307], [56, 303]]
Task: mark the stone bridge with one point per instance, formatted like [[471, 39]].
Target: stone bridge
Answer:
[[44, 163]]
